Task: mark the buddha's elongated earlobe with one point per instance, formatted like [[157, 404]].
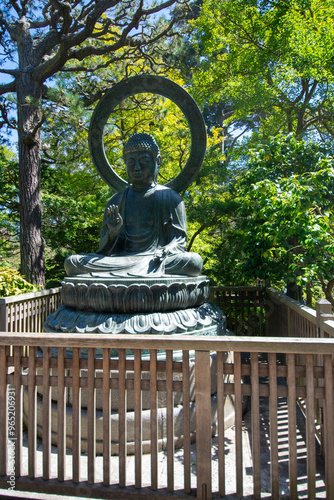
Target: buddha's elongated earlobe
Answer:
[[157, 168]]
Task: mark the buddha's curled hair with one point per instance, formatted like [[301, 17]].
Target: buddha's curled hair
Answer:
[[142, 142]]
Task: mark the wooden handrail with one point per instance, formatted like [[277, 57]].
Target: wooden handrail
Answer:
[[172, 342], [328, 327], [304, 311], [28, 296]]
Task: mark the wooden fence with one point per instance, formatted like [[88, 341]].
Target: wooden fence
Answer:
[[266, 379], [27, 312], [243, 307], [298, 369]]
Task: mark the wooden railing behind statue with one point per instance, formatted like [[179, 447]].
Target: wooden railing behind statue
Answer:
[[243, 307], [27, 312], [249, 311]]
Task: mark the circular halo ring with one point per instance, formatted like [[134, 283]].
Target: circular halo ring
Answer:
[[154, 85]]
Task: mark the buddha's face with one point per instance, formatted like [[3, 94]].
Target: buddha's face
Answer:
[[140, 168]]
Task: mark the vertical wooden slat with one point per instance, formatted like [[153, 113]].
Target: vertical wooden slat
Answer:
[[15, 315], [203, 424], [76, 415], [273, 426], [186, 421], [61, 415], [229, 300], [19, 317], [292, 425], [310, 428], [33, 316], [256, 424], [11, 318], [262, 312], [32, 394], [154, 419], [138, 417], [329, 425], [3, 411], [249, 307], [43, 317], [25, 316], [18, 409], [221, 425], [91, 416], [3, 315], [236, 329], [170, 420], [37, 315], [106, 416], [46, 435], [238, 423], [25, 306], [18, 327], [242, 312], [122, 417], [40, 314]]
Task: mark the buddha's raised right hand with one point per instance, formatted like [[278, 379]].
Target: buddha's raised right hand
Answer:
[[115, 221]]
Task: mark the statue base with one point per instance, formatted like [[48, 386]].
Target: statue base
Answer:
[[137, 294], [204, 320]]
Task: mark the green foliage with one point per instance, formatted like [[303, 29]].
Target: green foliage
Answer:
[[268, 66], [284, 212], [73, 205], [12, 283]]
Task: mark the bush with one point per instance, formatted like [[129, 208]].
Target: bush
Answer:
[[12, 283]]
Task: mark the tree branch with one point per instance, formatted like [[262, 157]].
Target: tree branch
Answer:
[[7, 87], [6, 25], [16, 7], [194, 236], [67, 42], [12, 72]]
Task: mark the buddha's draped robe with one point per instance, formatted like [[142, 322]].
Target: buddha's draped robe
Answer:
[[152, 239]]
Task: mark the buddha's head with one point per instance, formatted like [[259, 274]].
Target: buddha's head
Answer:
[[142, 160]]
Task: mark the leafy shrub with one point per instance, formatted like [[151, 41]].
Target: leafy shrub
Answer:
[[12, 283]]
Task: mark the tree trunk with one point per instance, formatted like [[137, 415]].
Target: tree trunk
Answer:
[[29, 94]]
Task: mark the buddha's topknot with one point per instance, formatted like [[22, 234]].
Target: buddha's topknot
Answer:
[[141, 142]]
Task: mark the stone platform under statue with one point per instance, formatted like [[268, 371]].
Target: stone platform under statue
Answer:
[[142, 279]]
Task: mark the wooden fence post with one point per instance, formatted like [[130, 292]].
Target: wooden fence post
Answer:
[[323, 306], [3, 315], [324, 312], [203, 424]]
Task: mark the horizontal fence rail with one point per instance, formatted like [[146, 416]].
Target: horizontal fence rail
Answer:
[[262, 375]]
